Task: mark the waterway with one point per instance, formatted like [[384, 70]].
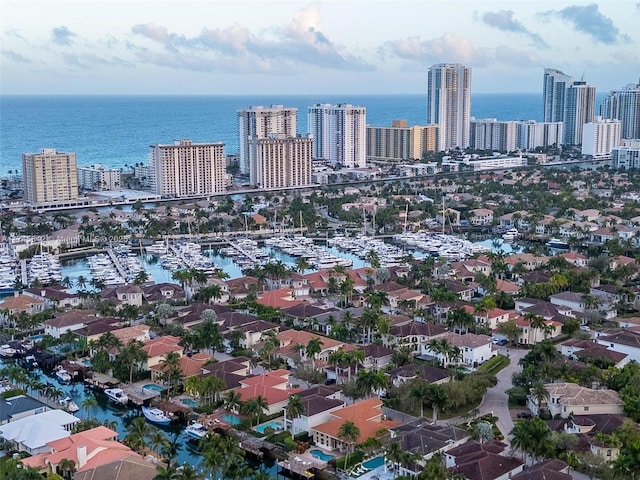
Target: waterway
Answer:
[[122, 416]]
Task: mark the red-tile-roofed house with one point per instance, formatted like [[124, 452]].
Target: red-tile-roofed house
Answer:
[[88, 449], [156, 348], [274, 387], [366, 415]]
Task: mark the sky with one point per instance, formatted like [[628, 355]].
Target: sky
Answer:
[[242, 47]]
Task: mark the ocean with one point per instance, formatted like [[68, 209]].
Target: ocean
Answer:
[[117, 130]]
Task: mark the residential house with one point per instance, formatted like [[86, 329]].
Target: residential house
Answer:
[[123, 295], [32, 433], [11, 307], [474, 349], [163, 292], [132, 467], [464, 291], [530, 336], [423, 440], [189, 367], [318, 403], [376, 357], [72, 320], [566, 399], [414, 335], [548, 470], [158, 347], [481, 217], [240, 288], [273, 386], [19, 406], [491, 318], [54, 296], [424, 371], [483, 461], [365, 414], [621, 340], [231, 372], [575, 258], [590, 351], [88, 449], [290, 340]]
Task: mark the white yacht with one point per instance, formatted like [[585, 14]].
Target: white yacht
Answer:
[[68, 404], [510, 235], [117, 395], [62, 375], [196, 431], [7, 351], [155, 415]]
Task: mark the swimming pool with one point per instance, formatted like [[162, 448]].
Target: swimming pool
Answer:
[[325, 457], [277, 426], [189, 402], [153, 386], [373, 463], [35, 338], [231, 419]]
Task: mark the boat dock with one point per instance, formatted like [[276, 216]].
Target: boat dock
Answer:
[[301, 465], [244, 253], [138, 394], [116, 263], [178, 254]]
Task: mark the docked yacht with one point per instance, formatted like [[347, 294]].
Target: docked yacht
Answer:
[[196, 431], [7, 351], [62, 375], [68, 404], [117, 395], [557, 243], [155, 415], [510, 235]]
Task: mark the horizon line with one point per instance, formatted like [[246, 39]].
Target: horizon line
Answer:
[[238, 94]]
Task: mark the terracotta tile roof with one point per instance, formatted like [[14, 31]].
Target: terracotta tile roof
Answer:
[[72, 317], [290, 338], [100, 444], [417, 328], [574, 394], [161, 345], [366, 415], [132, 467], [20, 302], [272, 386], [470, 340], [281, 298], [189, 366]]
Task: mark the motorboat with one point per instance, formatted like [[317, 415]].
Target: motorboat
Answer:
[[68, 404], [511, 234], [117, 395], [62, 375], [196, 431], [155, 415], [7, 351], [557, 243], [29, 362]]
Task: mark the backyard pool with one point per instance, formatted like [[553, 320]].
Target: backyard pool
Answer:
[[277, 426], [373, 463], [325, 457], [231, 419], [190, 402], [153, 387]]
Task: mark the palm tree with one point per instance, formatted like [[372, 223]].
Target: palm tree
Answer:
[[395, 454], [438, 398], [536, 322], [295, 409], [371, 381], [313, 348], [157, 440], [539, 393], [133, 355], [349, 433], [172, 372], [232, 401], [67, 467], [88, 404], [137, 433]]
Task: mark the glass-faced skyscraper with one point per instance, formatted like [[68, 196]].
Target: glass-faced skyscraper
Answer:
[[449, 103], [554, 92], [624, 105], [580, 107]]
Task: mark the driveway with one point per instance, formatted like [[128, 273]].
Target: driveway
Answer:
[[496, 400]]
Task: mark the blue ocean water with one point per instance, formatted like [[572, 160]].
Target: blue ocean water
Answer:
[[117, 130]]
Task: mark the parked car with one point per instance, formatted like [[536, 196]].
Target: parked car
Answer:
[[502, 342], [524, 415], [585, 328]]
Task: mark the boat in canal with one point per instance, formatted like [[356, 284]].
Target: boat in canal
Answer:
[[155, 415], [196, 431], [62, 375], [117, 395], [68, 404]]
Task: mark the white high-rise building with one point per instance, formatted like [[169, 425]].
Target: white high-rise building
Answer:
[[98, 178], [281, 161], [49, 176], [580, 108], [532, 135], [490, 134], [186, 168], [554, 92], [449, 103], [259, 121], [627, 155], [600, 137], [624, 105], [339, 134]]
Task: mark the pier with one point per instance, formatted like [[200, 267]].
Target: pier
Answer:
[[179, 255], [244, 253], [116, 263]]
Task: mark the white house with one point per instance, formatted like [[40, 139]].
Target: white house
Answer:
[[318, 403], [567, 399], [475, 349], [31, 434], [625, 341]]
